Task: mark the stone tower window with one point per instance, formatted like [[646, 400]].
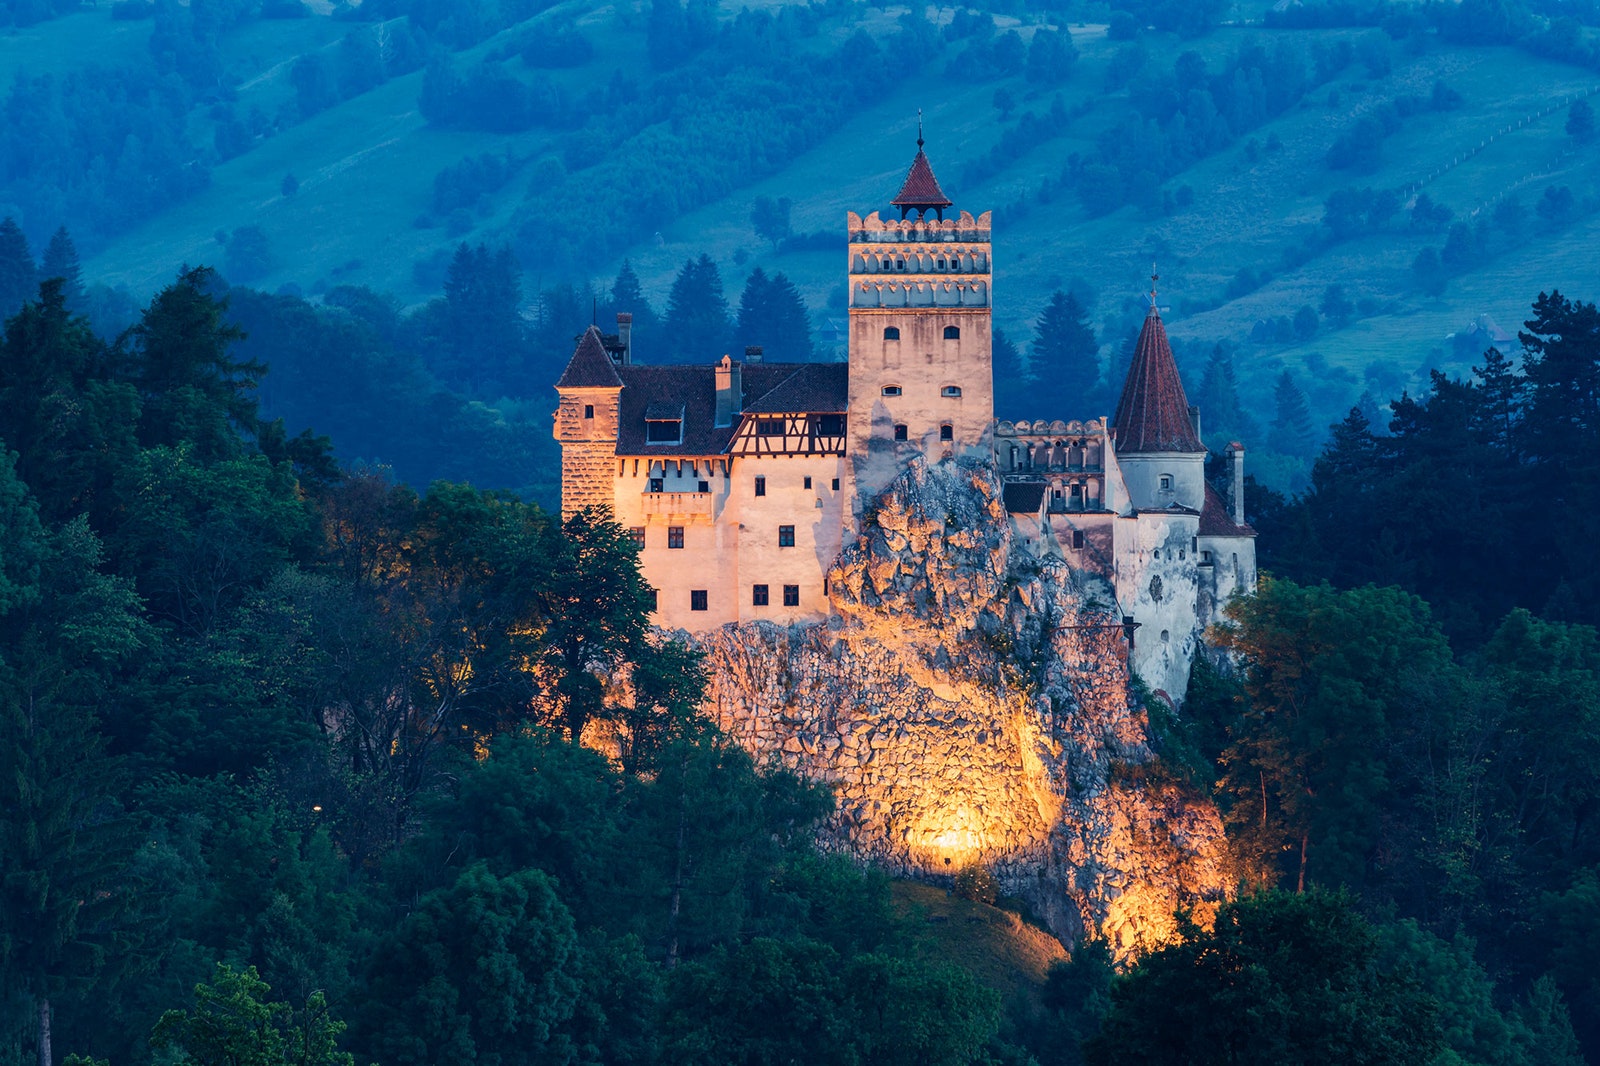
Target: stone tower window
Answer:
[[588, 410], [953, 391], [1166, 481], [761, 486], [758, 595], [697, 600], [891, 390], [891, 333], [791, 595], [947, 432], [900, 431], [952, 333]]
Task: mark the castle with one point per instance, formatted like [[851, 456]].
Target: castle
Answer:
[[741, 480]]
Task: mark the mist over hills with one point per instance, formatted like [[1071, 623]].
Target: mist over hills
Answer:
[[1269, 163]]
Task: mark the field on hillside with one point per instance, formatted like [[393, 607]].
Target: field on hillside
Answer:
[[1238, 239]]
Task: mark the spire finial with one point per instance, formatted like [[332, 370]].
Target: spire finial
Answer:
[[919, 129], [1154, 277]]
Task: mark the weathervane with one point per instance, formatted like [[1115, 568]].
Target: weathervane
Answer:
[[1154, 277], [919, 127]]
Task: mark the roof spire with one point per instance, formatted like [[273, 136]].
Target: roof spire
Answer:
[[919, 129], [1153, 412], [921, 190], [1154, 277]]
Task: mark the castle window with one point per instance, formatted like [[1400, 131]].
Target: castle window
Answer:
[[654, 600], [697, 600], [891, 390], [758, 595], [899, 264], [952, 391], [658, 484], [835, 484], [808, 483], [588, 410], [891, 333], [770, 427], [947, 432], [705, 486], [785, 536], [1077, 492], [791, 595], [1165, 636], [637, 533], [1205, 558], [941, 264], [952, 333], [900, 431], [1166, 481], [674, 536], [830, 425], [663, 431], [1077, 538], [761, 486]]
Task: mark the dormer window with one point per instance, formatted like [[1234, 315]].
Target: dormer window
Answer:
[[952, 333], [891, 390], [891, 333], [663, 423], [951, 391]]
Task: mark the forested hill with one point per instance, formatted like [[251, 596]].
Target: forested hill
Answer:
[[1349, 192]]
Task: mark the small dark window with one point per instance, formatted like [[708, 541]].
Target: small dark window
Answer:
[[791, 595], [1055, 494], [808, 483], [1166, 481], [891, 390], [1165, 636], [947, 432], [891, 333], [770, 427], [761, 486], [588, 410], [637, 533], [658, 484], [697, 599], [830, 425], [900, 432], [758, 595], [705, 486], [785, 536], [951, 391], [654, 600], [663, 432], [674, 536], [952, 333], [835, 484], [1077, 492], [1205, 558], [1077, 538]]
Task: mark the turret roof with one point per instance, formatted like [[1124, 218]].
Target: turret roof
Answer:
[[921, 190], [590, 367], [1153, 414]]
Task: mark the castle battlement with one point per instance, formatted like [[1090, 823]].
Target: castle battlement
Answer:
[[964, 227]]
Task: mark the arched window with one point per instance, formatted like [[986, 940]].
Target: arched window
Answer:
[[891, 333], [953, 391], [891, 390], [952, 333], [947, 432]]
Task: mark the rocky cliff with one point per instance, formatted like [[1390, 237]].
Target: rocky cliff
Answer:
[[970, 703]]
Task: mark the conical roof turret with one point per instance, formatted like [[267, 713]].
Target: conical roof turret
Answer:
[[921, 190], [1153, 413], [590, 367]]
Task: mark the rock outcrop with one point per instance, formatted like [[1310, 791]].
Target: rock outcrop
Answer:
[[970, 703]]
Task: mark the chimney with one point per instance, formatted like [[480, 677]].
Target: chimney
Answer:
[[730, 391], [1235, 454], [1194, 420], [752, 353], [625, 335]]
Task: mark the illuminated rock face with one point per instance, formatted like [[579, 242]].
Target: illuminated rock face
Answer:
[[969, 703]]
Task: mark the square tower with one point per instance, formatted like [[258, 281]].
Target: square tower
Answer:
[[921, 366]]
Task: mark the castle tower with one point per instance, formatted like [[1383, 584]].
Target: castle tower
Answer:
[[1157, 441], [921, 371], [586, 425]]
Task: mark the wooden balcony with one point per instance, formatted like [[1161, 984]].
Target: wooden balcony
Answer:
[[678, 503]]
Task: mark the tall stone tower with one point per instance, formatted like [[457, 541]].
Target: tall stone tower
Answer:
[[1157, 441], [921, 369], [586, 425]]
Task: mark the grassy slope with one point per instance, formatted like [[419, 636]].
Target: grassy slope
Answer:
[[366, 169], [998, 947]]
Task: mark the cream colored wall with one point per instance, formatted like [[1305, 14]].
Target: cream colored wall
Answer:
[[709, 545], [817, 515], [1142, 476], [1232, 571], [1150, 547]]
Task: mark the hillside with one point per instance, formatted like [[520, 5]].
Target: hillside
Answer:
[[1234, 226]]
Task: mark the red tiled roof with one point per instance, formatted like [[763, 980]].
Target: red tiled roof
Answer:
[[813, 388], [590, 367], [1153, 414], [1217, 521], [921, 188]]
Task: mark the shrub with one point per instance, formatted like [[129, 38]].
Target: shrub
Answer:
[[976, 883]]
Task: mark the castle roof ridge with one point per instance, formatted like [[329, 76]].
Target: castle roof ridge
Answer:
[[1153, 414]]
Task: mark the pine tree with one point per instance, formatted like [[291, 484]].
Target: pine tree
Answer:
[[1065, 357], [1013, 398], [1225, 418], [483, 321], [19, 278], [772, 315], [61, 261], [1292, 429], [697, 328], [1500, 391], [628, 295]]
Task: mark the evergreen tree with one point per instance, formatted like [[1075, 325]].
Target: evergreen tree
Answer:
[[1292, 430], [1501, 389], [697, 328], [1224, 416], [1013, 396], [19, 279], [772, 315], [484, 331], [1065, 358], [628, 295], [1051, 57], [61, 261]]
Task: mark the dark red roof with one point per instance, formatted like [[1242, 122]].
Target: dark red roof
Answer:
[[1153, 414], [693, 390], [590, 367], [921, 189], [813, 388], [1217, 521]]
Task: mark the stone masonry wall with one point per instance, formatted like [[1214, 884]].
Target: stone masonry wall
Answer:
[[968, 704]]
